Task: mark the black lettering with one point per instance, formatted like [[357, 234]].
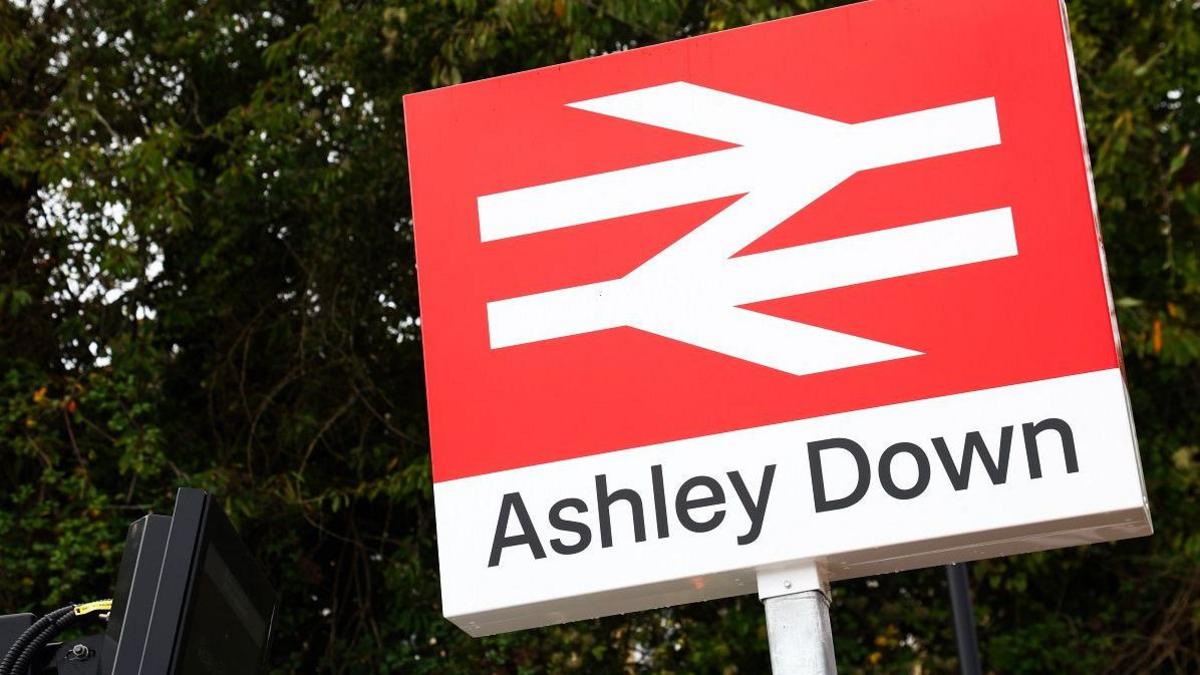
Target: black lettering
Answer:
[[500, 541], [960, 476], [604, 502], [660, 501], [885, 470], [1031, 431], [818, 475], [683, 503], [560, 523], [757, 511]]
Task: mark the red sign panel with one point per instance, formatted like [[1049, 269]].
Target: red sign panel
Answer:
[[746, 188]]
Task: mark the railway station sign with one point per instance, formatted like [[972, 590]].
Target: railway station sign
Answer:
[[827, 289]]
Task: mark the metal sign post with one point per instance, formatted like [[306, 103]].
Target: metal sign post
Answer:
[[796, 600], [964, 619]]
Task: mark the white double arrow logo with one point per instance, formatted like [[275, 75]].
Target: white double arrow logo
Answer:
[[693, 290]]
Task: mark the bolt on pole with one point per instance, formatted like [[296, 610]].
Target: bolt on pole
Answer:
[[799, 633]]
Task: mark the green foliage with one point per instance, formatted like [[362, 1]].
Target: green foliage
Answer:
[[206, 279]]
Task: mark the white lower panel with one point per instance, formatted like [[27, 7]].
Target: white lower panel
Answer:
[[545, 574]]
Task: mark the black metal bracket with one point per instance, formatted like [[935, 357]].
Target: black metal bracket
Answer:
[[74, 657]]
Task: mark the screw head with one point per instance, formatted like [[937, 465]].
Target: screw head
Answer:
[[80, 651], [787, 584]]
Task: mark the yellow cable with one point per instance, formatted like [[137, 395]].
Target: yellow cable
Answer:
[[96, 606]]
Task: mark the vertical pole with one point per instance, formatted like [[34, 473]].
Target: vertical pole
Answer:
[[796, 600], [964, 619]]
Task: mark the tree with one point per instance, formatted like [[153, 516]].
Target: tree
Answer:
[[206, 279]]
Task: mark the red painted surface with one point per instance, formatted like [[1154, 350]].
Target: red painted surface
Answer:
[[1038, 315]]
